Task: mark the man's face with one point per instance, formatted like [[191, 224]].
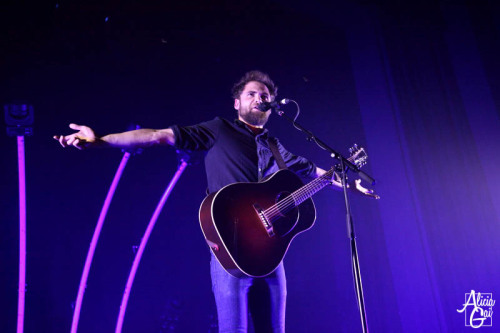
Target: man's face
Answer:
[[252, 95]]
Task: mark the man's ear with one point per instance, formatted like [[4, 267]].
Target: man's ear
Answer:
[[237, 104]]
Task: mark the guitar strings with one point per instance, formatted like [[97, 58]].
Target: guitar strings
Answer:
[[310, 189], [299, 196]]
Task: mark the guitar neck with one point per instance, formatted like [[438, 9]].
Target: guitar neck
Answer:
[[308, 190], [358, 157]]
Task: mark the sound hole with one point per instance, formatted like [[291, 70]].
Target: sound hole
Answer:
[[287, 216]]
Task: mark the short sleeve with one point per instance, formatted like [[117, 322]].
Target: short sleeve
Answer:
[[196, 137]]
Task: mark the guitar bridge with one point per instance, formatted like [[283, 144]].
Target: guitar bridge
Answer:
[[264, 220]]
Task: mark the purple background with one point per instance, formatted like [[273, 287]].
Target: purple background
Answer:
[[417, 85]]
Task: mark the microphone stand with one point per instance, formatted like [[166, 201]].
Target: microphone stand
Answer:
[[345, 165]]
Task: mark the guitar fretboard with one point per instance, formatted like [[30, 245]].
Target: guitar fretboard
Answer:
[[308, 190], [299, 196], [358, 157]]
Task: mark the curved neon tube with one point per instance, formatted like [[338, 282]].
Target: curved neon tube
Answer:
[[142, 246], [93, 243], [22, 234]]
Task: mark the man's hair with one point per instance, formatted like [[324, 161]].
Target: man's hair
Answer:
[[254, 76]]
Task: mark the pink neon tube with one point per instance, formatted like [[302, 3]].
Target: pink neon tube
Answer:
[[93, 243], [142, 246], [22, 235]]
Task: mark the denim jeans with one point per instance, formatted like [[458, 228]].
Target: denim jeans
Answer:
[[264, 298]]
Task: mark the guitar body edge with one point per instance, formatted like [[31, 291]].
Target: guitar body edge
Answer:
[[214, 240], [236, 236]]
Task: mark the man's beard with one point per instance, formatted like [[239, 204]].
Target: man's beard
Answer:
[[254, 118]]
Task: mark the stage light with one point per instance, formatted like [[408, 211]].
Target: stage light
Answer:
[[19, 118]]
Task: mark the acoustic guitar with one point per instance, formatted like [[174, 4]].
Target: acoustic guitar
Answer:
[[249, 226]]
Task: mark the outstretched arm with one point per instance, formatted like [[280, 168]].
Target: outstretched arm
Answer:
[[86, 138]]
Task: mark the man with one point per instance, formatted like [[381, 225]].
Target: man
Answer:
[[237, 151]]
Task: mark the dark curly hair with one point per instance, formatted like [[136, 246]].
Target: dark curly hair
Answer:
[[254, 76]]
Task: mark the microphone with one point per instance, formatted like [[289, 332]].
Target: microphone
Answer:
[[264, 106]]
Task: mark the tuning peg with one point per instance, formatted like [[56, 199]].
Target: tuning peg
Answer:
[[353, 149]]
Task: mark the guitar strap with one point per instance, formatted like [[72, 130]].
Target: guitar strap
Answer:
[[276, 153]]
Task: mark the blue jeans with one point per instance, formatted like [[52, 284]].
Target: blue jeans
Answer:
[[264, 298]]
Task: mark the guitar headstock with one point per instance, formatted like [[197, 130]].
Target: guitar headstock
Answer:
[[358, 156]]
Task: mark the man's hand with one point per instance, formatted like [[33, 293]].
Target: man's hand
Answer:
[[84, 138], [357, 188], [364, 191]]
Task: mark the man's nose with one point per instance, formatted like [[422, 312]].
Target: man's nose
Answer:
[[258, 98]]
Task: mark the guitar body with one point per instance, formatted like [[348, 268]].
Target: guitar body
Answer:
[[236, 233]]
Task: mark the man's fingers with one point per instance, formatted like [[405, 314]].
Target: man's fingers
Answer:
[[72, 139], [61, 141], [76, 144], [57, 137], [75, 127], [364, 190]]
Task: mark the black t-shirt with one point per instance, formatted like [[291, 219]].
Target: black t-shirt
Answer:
[[235, 153]]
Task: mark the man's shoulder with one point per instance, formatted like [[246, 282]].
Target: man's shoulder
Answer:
[[212, 124], [222, 122], [218, 121]]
